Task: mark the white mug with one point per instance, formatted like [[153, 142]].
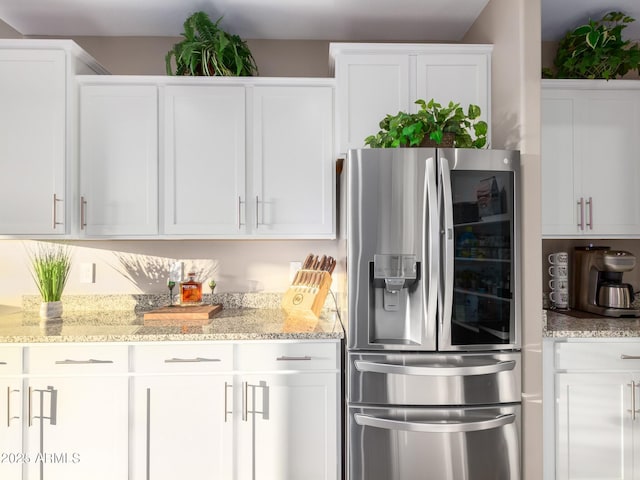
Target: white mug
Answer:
[[561, 284], [560, 299], [560, 271], [559, 258]]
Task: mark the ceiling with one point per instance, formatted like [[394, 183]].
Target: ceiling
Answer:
[[340, 20]]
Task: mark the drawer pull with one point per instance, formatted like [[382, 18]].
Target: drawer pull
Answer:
[[191, 360], [9, 416], [285, 358], [629, 357], [3, 363], [91, 361]]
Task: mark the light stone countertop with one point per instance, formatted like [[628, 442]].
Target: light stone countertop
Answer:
[[263, 320], [578, 324]]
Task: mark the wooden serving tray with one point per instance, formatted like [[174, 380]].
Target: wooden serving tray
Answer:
[[182, 315]]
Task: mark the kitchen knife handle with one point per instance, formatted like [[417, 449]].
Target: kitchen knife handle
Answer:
[[590, 222], [83, 213], [55, 211], [581, 215]]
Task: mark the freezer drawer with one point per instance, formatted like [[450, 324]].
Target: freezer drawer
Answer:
[[444, 444], [433, 379]]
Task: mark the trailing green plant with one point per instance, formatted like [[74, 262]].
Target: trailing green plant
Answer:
[[208, 50], [431, 121], [596, 50], [50, 264]]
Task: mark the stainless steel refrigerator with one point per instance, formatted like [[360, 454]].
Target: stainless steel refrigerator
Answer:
[[433, 380]]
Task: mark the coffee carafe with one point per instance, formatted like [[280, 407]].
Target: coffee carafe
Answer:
[[598, 285]]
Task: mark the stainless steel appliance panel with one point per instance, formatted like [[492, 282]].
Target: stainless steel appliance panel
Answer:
[[433, 379], [479, 299], [425, 443], [392, 269]]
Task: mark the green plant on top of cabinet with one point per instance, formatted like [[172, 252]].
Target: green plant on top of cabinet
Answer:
[[118, 159], [36, 84]]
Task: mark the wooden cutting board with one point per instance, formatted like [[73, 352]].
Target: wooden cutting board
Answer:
[[182, 315]]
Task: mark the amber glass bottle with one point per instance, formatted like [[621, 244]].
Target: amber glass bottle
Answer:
[[190, 290]]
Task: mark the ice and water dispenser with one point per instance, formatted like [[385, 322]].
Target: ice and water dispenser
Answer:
[[394, 314]]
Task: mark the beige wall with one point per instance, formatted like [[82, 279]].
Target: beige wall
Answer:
[[513, 26]]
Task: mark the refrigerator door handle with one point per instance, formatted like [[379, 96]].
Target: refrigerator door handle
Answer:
[[439, 370], [446, 210], [437, 426], [432, 244]]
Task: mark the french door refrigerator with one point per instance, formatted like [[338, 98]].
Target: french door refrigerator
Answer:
[[433, 381]]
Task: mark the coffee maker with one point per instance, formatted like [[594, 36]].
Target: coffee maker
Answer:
[[597, 280]]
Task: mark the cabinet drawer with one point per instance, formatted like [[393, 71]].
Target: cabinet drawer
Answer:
[[63, 359], [168, 358], [288, 356], [598, 356], [10, 360]]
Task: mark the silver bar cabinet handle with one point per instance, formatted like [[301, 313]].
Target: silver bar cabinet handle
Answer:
[[191, 360], [30, 403], [436, 371], [257, 210], [245, 401], [239, 212], [590, 222], [83, 213], [436, 426], [629, 357], [226, 403], [55, 210], [581, 216], [633, 410], [293, 359], [9, 416], [90, 361]]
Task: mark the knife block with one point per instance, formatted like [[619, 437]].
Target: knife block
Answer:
[[305, 298]]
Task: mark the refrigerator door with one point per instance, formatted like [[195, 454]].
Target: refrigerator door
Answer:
[[392, 248], [444, 444], [433, 379], [479, 299]]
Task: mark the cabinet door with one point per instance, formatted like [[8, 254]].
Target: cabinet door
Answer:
[[77, 428], [368, 88], [32, 142], [293, 160], [204, 152], [288, 428], [461, 78], [609, 171], [559, 196], [119, 159], [594, 426], [183, 427]]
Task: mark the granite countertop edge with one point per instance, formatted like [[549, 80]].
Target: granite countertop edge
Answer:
[[575, 324]]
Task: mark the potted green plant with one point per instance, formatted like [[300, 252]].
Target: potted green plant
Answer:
[[432, 125], [50, 264], [209, 50], [596, 50]]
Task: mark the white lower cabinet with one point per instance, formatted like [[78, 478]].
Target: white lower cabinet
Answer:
[[76, 423], [258, 411], [597, 410]]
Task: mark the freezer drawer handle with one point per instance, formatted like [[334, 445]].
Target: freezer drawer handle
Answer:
[[436, 371], [437, 426]]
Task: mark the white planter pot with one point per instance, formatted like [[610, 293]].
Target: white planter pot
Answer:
[[50, 310]]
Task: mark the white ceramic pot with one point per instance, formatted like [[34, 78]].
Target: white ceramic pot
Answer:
[[50, 310]]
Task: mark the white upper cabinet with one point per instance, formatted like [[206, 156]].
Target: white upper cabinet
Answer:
[[204, 160], [589, 154], [36, 81], [374, 80], [118, 159], [292, 167]]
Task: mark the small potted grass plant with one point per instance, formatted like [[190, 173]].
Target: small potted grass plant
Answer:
[[50, 264]]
